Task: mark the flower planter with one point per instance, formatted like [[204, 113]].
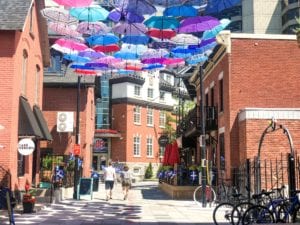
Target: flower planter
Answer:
[[28, 207]]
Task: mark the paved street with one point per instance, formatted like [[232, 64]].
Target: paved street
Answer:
[[146, 204]]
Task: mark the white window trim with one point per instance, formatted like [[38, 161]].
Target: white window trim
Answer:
[[152, 155], [139, 114], [152, 115], [165, 118], [137, 136]]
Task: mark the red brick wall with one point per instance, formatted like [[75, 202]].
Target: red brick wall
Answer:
[[65, 99], [11, 55]]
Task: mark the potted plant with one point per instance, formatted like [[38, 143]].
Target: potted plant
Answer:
[[28, 200]]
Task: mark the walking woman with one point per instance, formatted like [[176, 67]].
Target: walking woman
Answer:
[[126, 181], [109, 178]]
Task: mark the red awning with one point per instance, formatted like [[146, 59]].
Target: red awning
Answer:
[[107, 133]]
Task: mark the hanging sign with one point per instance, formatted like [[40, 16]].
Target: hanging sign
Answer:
[[26, 146], [76, 149], [163, 140]]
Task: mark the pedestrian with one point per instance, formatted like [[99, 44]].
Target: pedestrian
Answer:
[[126, 181], [109, 179]]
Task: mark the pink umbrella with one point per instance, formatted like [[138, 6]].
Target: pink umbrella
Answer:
[[74, 3], [58, 15], [129, 29], [172, 61], [70, 44], [153, 53], [109, 60], [63, 29], [93, 28]]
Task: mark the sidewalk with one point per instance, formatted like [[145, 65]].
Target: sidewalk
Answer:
[[146, 204]]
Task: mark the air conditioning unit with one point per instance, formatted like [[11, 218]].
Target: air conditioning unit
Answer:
[[65, 122]]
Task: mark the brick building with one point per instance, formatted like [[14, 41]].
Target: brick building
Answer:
[[24, 54], [250, 79]]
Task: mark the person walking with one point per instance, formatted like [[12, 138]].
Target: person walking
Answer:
[[109, 179], [126, 181]]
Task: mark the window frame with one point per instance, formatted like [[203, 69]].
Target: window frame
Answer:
[[162, 119], [221, 95], [137, 90], [137, 115], [136, 146], [150, 116], [149, 145], [150, 93]]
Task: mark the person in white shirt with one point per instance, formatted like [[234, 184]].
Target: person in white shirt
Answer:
[[109, 178], [126, 178]]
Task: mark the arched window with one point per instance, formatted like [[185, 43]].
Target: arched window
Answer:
[[24, 73]]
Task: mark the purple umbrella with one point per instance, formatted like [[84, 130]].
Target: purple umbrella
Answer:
[[90, 53], [136, 5], [129, 28], [131, 16], [198, 24], [166, 3], [93, 28]]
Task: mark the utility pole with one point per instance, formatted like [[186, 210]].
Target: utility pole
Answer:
[[77, 138], [202, 138]]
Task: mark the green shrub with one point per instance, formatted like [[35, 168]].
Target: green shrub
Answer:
[[149, 171]]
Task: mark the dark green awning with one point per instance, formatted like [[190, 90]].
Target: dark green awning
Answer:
[[28, 125], [42, 123]]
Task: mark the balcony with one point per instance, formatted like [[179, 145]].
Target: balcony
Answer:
[[131, 78], [165, 86], [190, 125]]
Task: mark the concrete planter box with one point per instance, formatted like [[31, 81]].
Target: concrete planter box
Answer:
[[178, 192]]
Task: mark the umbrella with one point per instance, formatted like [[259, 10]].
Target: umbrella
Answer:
[[74, 3], [142, 6], [173, 61], [152, 53], [216, 6], [142, 40], [93, 28], [166, 2], [152, 66], [132, 17], [63, 49], [85, 72], [96, 65], [76, 58], [161, 34], [174, 154], [214, 31], [138, 49], [129, 28], [55, 14], [167, 154], [133, 68], [91, 14], [196, 59], [80, 66], [70, 44], [106, 48], [166, 45], [162, 22], [90, 53], [197, 24], [125, 55], [180, 11], [106, 39], [185, 39], [109, 60], [63, 29]]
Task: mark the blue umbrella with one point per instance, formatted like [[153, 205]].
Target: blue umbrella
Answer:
[[181, 10], [75, 58], [211, 33], [166, 2], [126, 55], [91, 14], [197, 59], [142, 6], [162, 22], [216, 6], [106, 39], [142, 40], [82, 67], [152, 66]]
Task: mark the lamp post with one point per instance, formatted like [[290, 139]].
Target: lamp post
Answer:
[[202, 138], [77, 138]]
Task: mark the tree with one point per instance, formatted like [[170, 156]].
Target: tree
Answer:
[[149, 171]]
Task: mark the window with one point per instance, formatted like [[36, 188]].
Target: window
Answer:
[[168, 78], [221, 95], [149, 147], [150, 93], [55, 61], [222, 152], [149, 116], [162, 95], [24, 73], [21, 165], [137, 90], [137, 115], [136, 146], [212, 96], [161, 151], [206, 99], [37, 84], [162, 118], [31, 20]]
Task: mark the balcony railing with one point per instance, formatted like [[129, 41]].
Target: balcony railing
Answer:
[[190, 125], [131, 78]]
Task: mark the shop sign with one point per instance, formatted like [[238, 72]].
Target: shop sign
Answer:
[[100, 145], [163, 140], [76, 149], [26, 146]]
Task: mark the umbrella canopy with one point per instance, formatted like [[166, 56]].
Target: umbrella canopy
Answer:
[[162, 22], [106, 39], [109, 60], [74, 3], [126, 55], [63, 29], [129, 29], [132, 17], [90, 53], [142, 6], [198, 24], [216, 6], [197, 59], [85, 72], [152, 66], [138, 49], [96, 65], [174, 154], [161, 34], [106, 48], [55, 14], [91, 14], [181, 11], [152, 53], [93, 28], [217, 29], [142, 40], [76, 58], [70, 44], [166, 3], [185, 39]]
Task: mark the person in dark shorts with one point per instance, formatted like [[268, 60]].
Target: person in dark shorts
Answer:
[[109, 179], [126, 181]]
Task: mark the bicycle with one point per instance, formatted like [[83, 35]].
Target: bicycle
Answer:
[[210, 195]]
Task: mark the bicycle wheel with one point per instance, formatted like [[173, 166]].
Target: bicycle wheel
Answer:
[[258, 214], [238, 212], [210, 195], [222, 213], [296, 215]]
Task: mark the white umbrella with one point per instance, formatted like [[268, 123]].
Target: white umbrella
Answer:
[[55, 14], [185, 39]]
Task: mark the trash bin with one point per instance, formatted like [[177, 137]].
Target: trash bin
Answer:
[[95, 177]]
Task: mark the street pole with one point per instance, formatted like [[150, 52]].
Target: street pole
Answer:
[[202, 139], [77, 138]]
